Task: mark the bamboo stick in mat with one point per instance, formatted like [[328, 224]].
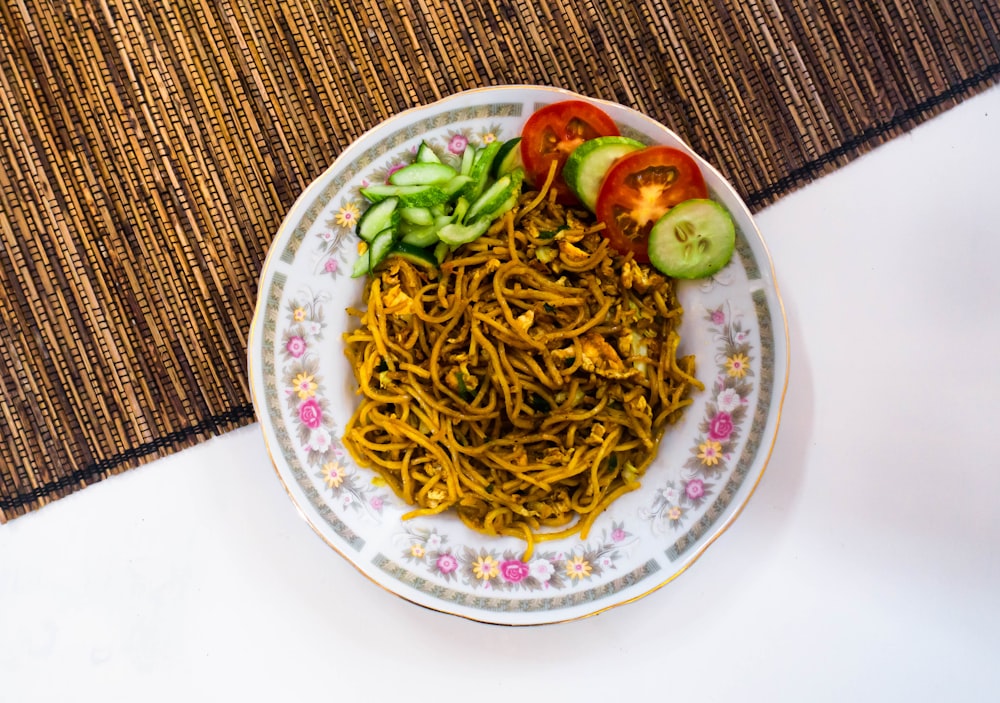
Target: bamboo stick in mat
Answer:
[[150, 149]]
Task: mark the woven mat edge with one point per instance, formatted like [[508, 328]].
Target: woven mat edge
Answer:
[[243, 415]]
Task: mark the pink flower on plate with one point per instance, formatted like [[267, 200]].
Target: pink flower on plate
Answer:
[[721, 426], [296, 346], [331, 265], [695, 488], [457, 144], [514, 570], [376, 504], [446, 563], [392, 170], [718, 317], [618, 534], [311, 413]]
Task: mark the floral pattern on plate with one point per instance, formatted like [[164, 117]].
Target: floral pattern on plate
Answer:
[[712, 451], [304, 395], [492, 569]]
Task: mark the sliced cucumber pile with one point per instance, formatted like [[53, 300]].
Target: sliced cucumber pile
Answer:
[[429, 207]]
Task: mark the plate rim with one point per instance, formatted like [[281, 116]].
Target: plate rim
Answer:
[[782, 356]]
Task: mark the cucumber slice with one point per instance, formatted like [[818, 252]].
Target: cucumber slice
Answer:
[[441, 251], [508, 158], [416, 215], [427, 155], [380, 248], [415, 255], [405, 227], [468, 158], [382, 215], [461, 207], [409, 196], [362, 265], [422, 236], [428, 235], [456, 234], [481, 170], [456, 184], [507, 205], [694, 239], [589, 163], [488, 204], [422, 173]]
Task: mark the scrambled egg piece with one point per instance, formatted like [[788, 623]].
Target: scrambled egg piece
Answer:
[[596, 436], [545, 254], [639, 406], [396, 302], [601, 358], [634, 276], [572, 252], [460, 380], [436, 496], [554, 456], [570, 234], [525, 321]]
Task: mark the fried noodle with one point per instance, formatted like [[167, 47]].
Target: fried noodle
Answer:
[[525, 384]]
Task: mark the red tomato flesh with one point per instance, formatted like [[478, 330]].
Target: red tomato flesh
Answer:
[[552, 133], [638, 189]]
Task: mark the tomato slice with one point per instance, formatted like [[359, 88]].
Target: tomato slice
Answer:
[[553, 132], [639, 188]]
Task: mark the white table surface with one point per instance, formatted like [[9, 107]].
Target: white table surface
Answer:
[[865, 568]]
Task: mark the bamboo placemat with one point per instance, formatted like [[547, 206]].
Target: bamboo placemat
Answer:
[[150, 149]]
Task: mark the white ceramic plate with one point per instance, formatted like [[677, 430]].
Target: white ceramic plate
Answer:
[[303, 390]]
